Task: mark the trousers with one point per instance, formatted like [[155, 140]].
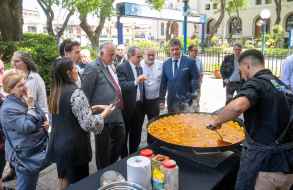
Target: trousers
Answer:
[[26, 181]]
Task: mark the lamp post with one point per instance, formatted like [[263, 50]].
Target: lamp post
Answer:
[[185, 13], [265, 15]]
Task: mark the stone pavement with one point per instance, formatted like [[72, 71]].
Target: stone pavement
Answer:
[[212, 98]]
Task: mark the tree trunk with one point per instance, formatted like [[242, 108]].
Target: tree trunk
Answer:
[[216, 26], [11, 20], [168, 30], [47, 9], [64, 25], [278, 4], [94, 36]]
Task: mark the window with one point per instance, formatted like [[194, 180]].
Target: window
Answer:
[[268, 1], [162, 29], [258, 2], [32, 29], [258, 27], [207, 7], [289, 22], [235, 26]]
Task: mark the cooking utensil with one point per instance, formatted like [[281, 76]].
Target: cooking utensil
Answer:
[[221, 138], [159, 142]]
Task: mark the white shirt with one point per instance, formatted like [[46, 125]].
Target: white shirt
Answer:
[[178, 64], [135, 79], [236, 73], [154, 74], [37, 88]]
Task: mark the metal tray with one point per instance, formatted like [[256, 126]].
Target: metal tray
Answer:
[[159, 142]]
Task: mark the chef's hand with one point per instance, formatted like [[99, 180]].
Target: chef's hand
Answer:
[[213, 126]]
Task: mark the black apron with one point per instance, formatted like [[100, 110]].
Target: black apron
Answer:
[[253, 156]]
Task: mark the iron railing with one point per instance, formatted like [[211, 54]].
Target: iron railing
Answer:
[[212, 60]]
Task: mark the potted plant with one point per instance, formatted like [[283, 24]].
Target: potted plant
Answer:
[[217, 72]]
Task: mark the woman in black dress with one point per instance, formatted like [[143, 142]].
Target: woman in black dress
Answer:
[[72, 120]]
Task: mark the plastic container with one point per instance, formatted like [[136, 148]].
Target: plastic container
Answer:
[[147, 153], [171, 173], [158, 176]]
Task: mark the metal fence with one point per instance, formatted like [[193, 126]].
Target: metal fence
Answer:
[[212, 60]]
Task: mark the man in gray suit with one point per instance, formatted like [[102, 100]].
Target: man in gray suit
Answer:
[[101, 86]]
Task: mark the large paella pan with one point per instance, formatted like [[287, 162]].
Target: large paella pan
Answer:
[[186, 131]]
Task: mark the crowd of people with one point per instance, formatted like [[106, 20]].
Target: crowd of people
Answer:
[[110, 97]]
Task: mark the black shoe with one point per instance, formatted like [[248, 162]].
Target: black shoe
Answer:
[[10, 176]]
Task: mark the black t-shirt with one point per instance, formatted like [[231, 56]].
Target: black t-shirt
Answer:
[[268, 115]]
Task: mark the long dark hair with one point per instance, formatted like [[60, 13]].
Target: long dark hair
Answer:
[[60, 73]]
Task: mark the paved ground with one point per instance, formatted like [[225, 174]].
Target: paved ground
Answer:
[[212, 98]]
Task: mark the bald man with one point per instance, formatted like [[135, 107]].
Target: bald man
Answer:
[[101, 86]]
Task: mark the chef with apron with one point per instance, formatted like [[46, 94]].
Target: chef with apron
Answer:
[[266, 162]]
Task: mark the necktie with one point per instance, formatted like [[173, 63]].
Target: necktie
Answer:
[[140, 85], [175, 67], [117, 90]]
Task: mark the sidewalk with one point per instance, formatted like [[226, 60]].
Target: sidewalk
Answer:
[[212, 98]]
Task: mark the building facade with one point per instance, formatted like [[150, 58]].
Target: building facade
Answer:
[[134, 28], [249, 23]]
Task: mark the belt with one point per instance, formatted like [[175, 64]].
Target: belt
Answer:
[[113, 123]]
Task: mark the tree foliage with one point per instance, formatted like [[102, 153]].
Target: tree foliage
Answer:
[[102, 9], [234, 6], [276, 37], [157, 4]]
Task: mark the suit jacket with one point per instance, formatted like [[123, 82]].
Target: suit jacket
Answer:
[[98, 87], [227, 66], [183, 86], [129, 89]]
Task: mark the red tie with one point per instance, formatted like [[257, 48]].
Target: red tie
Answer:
[[117, 90]]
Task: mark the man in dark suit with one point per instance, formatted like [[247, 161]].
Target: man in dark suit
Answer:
[[131, 81], [101, 85], [230, 73], [180, 78]]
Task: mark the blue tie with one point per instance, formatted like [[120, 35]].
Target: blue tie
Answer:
[[175, 67]]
